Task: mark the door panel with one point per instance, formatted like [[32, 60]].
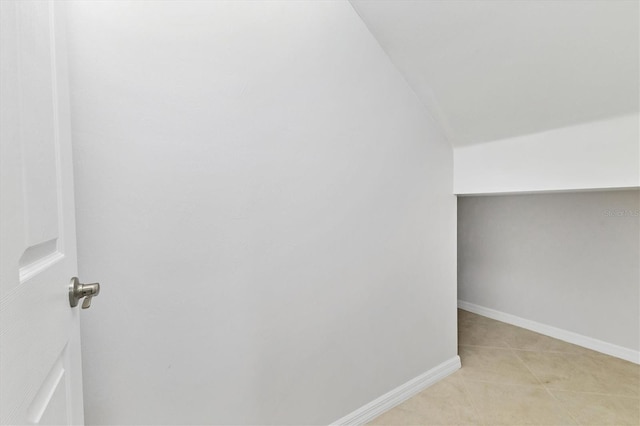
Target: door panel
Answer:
[[37, 130], [40, 364]]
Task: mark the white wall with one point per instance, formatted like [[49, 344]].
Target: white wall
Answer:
[[267, 206], [569, 261], [597, 155]]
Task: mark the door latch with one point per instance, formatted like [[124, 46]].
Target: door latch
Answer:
[[77, 291]]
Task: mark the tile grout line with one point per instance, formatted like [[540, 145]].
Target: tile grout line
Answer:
[[544, 386], [467, 392], [472, 402], [572, 354], [524, 385]]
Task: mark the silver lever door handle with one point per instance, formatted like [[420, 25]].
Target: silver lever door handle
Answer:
[[77, 291]]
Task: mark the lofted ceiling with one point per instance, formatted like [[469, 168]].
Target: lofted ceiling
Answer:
[[491, 70]]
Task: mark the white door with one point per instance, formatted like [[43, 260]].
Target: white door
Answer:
[[40, 366]]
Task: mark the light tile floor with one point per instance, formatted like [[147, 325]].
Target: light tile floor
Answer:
[[512, 376]]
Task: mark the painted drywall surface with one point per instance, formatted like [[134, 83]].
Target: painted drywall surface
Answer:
[[597, 155], [495, 69], [568, 260], [267, 207], [553, 106]]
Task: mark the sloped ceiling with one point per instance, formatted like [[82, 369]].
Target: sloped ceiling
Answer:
[[490, 70]]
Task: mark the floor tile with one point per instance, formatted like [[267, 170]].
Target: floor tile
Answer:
[[494, 365], [502, 404], [512, 376], [479, 331], [445, 403], [598, 409], [399, 416], [584, 373], [519, 338]]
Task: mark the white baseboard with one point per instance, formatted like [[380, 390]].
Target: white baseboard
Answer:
[[400, 394], [557, 333]]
